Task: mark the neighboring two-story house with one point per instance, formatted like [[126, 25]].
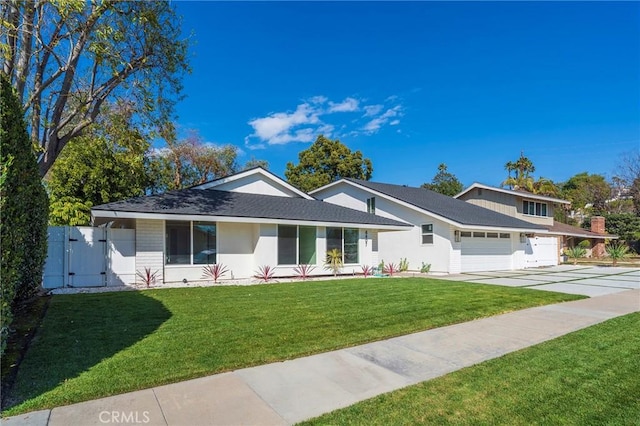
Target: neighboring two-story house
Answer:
[[542, 249]]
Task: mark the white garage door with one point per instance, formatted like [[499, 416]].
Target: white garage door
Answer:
[[541, 251], [486, 254]]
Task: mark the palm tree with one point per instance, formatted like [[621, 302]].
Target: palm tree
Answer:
[[522, 180], [575, 253], [617, 251], [544, 186]]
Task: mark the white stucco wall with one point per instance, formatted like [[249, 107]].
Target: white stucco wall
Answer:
[[256, 184], [242, 247], [396, 245]]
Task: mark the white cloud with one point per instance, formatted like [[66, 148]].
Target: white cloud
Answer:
[[375, 124], [318, 99], [311, 118], [276, 124], [348, 105], [371, 110]]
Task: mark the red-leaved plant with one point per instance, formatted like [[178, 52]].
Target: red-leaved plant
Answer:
[[214, 271], [147, 277], [264, 273], [303, 271], [367, 271], [391, 268]]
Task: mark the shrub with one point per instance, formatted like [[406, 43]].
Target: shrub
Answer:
[[367, 271], [425, 268], [147, 277], [214, 271], [391, 269], [264, 273], [334, 261], [585, 244], [404, 265], [617, 251], [303, 271], [25, 211], [575, 253]]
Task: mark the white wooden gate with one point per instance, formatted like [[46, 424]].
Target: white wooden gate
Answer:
[[541, 251], [83, 256]]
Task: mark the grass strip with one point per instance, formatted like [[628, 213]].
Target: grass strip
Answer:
[[96, 345], [589, 377]]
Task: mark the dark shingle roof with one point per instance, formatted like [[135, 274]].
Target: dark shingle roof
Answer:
[[210, 202], [564, 229], [448, 207]]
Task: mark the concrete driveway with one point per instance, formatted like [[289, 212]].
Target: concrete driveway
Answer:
[[586, 280]]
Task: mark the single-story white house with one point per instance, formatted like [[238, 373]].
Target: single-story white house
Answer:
[[450, 234], [244, 221]]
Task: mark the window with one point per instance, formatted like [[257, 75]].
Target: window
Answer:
[[190, 243], [296, 245], [346, 241], [492, 235], [204, 243], [427, 234], [287, 250], [371, 205], [534, 209], [478, 235], [505, 235], [465, 234], [178, 243], [307, 245]]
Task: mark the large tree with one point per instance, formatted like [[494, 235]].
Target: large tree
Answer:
[[24, 207], [586, 190], [523, 179], [107, 163], [627, 176], [444, 182], [523, 168], [66, 58], [192, 161], [326, 161]]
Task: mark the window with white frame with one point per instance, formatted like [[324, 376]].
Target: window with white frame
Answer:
[[427, 233], [371, 205], [533, 208], [296, 245], [190, 243], [346, 241]]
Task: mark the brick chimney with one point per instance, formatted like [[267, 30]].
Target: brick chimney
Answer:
[[597, 226]]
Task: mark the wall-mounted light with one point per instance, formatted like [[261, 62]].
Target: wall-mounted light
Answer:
[[366, 237], [456, 235]]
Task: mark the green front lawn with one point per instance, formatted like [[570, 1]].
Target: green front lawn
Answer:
[[590, 377], [95, 345]]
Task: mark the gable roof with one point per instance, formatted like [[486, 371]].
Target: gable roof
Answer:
[[449, 209], [524, 194], [257, 170], [195, 204]]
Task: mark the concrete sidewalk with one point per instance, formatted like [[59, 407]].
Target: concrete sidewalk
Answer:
[[287, 392]]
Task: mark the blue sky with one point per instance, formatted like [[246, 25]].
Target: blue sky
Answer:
[[416, 84]]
